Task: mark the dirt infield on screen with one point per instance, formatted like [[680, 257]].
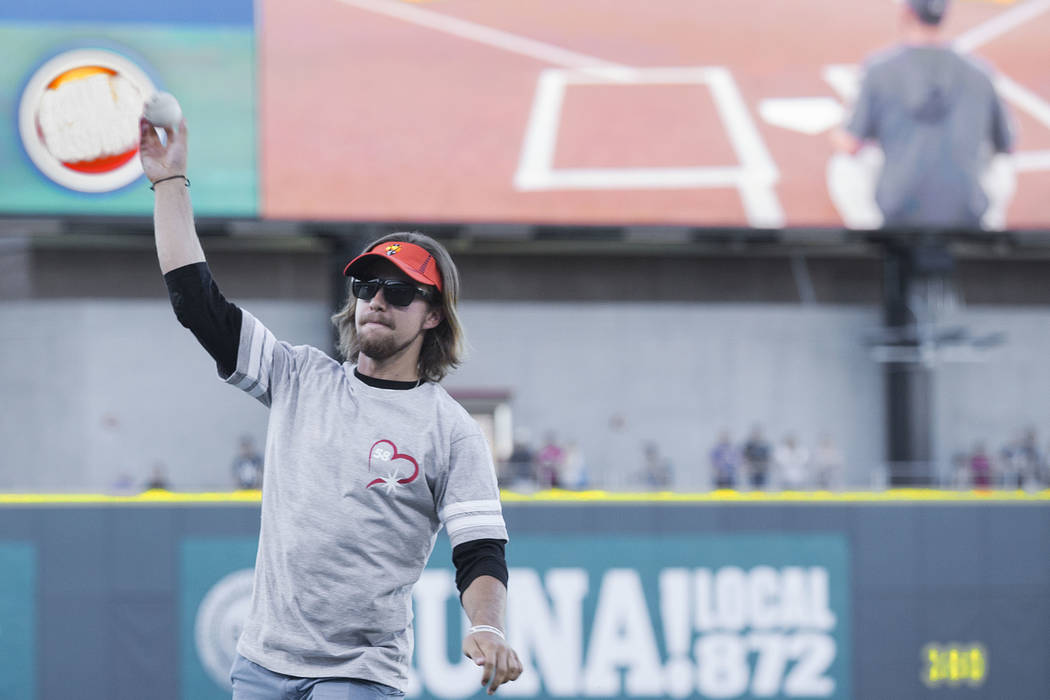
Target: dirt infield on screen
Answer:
[[712, 113]]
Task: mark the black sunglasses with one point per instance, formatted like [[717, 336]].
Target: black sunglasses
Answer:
[[396, 292]]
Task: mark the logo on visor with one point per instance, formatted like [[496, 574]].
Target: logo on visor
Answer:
[[384, 456], [393, 249]]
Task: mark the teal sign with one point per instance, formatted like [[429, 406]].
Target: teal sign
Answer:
[[215, 585], [17, 620], [599, 616], [610, 616]]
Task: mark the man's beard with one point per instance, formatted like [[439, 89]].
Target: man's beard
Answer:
[[382, 348]]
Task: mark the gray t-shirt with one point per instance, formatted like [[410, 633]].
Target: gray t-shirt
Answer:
[[358, 482], [938, 118]]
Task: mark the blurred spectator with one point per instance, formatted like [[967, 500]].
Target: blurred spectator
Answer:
[[1009, 470], [791, 461], [658, 474], [980, 468], [828, 465], [248, 465], [123, 485], [937, 117], [1022, 462], [725, 462], [960, 476], [574, 468], [549, 463], [113, 453], [519, 471], [756, 457], [613, 455], [158, 479]]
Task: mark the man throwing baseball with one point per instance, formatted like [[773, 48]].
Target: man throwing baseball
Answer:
[[365, 462]]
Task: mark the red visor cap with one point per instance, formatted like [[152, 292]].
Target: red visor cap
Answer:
[[413, 260]]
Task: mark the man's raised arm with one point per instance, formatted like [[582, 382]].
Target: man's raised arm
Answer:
[[195, 298], [165, 166]]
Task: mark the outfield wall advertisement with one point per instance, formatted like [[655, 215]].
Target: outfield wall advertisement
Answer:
[[823, 599], [715, 616]]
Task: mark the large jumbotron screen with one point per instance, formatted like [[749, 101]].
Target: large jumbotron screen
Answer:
[[676, 112]]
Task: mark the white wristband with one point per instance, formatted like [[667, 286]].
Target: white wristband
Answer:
[[488, 628]]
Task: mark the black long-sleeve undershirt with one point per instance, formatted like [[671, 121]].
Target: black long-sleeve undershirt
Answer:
[[201, 307], [479, 558]]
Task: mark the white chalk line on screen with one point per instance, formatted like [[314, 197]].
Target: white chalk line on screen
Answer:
[[1021, 97], [1000, 24], [481, 34], [755, 179], [1036, 106], [541, 133], [1031, 161], [757, 190]]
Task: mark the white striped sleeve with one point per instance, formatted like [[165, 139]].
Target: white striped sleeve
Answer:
[[474, 520], [469, 506], [254, 359]]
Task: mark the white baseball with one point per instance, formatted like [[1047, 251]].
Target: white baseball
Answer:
[[162, 109]]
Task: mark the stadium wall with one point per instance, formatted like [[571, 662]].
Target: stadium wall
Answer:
[[848, 597], [95, 389]]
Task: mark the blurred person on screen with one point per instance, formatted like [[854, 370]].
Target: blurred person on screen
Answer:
[[938, 120], [366, 460]]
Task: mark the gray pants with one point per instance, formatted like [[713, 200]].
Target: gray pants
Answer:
[[253, 682]]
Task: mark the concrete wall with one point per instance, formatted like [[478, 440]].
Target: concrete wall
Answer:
[[96, 389], [93, 389], [613, 376], [994, 400]]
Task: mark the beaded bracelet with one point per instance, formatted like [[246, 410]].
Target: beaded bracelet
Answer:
[[173, 177]]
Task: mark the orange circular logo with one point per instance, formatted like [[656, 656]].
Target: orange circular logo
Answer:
[[79, 119]]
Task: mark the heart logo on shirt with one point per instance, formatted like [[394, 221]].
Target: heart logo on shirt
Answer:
[[383, 457]]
